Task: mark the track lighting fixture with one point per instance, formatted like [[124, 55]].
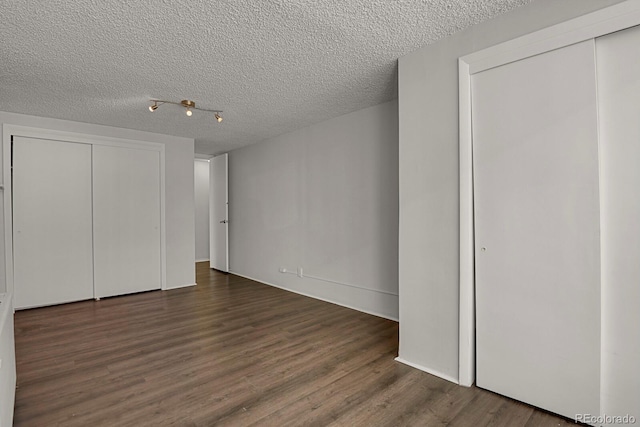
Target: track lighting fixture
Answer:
[[188, 105]]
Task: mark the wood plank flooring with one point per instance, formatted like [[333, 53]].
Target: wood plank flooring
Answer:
[[233, 352]]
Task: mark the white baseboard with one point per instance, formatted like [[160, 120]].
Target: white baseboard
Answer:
[[427, 370], [373, 313], [180, 286], [202, 260]]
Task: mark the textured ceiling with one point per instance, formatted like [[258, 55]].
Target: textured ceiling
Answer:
[[272, 65]]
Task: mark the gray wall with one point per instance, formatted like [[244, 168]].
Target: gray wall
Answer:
[[201, 190], [179, 197], [428, 158], [324, 198]]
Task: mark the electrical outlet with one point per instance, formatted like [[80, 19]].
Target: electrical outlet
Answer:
[[282, 270], [300, 272]]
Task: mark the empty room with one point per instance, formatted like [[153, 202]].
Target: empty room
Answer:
[[319, 213]]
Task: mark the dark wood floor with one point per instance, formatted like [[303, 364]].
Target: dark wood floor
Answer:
[[232, 352]]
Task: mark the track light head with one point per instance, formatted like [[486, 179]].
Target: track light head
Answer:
[[188, 105], [153, 107], [218, 117]]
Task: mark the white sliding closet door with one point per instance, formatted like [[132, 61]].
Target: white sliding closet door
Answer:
[[535, 153], [52, 243], [126, 213], [618, 61]]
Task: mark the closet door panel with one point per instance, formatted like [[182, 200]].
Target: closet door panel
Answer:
[[618, 60], [537, 230], [52, 231], [126, 215]]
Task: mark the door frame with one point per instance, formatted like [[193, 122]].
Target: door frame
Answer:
[[599, 23], [9, 130]]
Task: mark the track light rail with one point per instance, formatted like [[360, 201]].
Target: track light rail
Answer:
[[187, 104]]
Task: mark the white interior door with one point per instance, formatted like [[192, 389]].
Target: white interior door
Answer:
[[219, 213], [126, 215], [52, 227], [535, 153], [618, 65]]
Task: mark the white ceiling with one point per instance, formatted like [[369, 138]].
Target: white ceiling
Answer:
[[272, 65]]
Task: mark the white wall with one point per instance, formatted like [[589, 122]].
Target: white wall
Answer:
[[179, 197], [428, 199], [201, 180], [324, 198]]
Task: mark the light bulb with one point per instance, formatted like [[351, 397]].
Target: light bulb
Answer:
[[189, 112], [153, 107], [218, 117]]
